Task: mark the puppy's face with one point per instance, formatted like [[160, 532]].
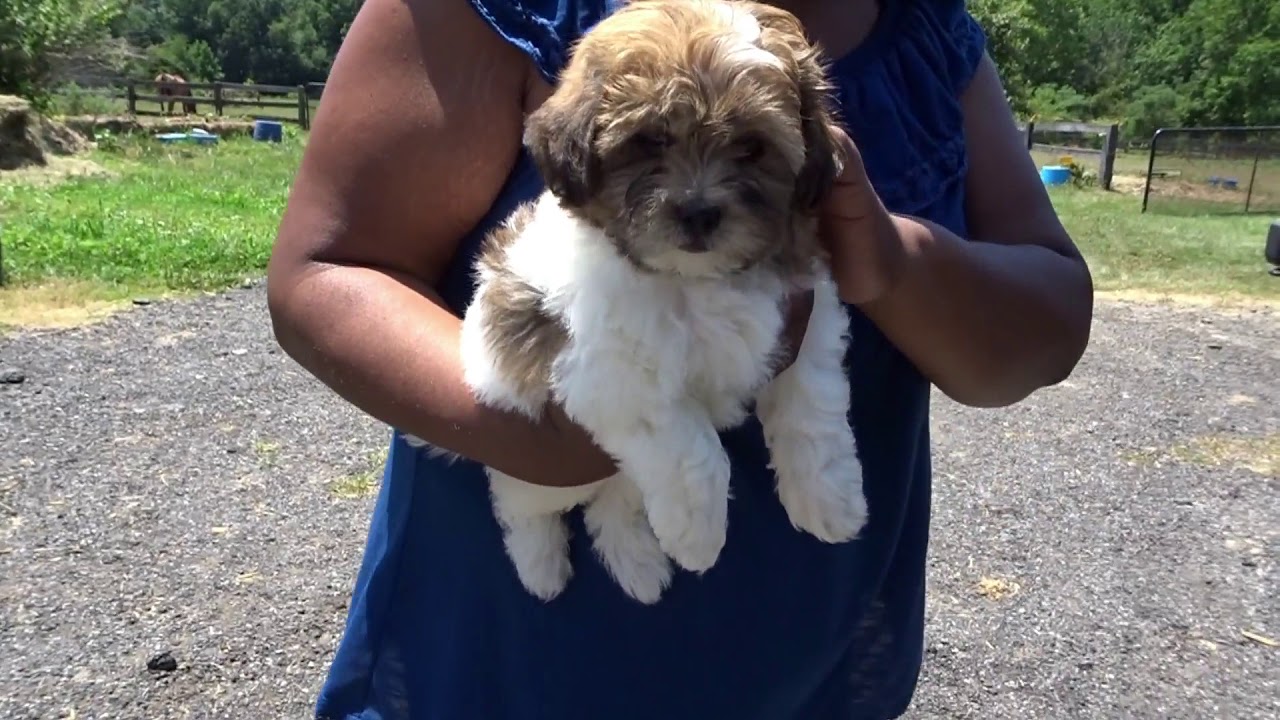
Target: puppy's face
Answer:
[[695, 133]]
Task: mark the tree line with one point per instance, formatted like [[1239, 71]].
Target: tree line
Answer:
[[1145, 63]]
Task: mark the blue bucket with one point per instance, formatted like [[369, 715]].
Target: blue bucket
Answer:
[[1055, 175], [268, 131]]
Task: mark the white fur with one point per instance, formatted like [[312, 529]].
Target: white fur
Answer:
[[655, 365]]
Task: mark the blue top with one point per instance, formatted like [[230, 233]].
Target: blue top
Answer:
[[783, 627]]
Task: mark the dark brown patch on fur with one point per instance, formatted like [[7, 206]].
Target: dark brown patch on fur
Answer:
[[560, 134], [524, 336]]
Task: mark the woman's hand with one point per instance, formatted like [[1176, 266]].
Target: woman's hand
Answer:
[[867, 251]]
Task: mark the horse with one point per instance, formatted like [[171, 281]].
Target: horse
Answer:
[[172, 85]]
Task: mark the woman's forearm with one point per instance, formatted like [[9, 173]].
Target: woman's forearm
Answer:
[[385, 344], [987, 323]]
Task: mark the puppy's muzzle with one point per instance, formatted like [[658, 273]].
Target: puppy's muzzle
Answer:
[[699, 219]]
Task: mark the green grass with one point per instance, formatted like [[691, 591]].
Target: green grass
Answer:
[[1217, 256], [171, 217], [182, 218]]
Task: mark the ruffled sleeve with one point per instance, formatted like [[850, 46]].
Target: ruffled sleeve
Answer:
[[960, 39], [544, 29], [900, 94]]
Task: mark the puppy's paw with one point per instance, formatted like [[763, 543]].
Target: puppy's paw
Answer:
[[637, 564], [689, 514], [539, 549], [824, 499]]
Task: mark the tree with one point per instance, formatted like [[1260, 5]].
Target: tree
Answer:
[[36, 32]]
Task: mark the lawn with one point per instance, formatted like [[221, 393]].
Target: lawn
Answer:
[[188, 218], [1216, 257], [163, 218]]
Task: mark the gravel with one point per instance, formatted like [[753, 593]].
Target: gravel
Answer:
[[182, 511]]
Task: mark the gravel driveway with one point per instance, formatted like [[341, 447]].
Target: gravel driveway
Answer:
[[171, 483]]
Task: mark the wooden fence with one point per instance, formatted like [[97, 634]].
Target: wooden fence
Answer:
[[222, 95], [1107, 153]]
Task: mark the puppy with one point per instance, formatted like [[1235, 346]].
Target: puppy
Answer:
[[684, 152]]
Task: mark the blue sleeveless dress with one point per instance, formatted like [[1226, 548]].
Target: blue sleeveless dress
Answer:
[[783, 627]]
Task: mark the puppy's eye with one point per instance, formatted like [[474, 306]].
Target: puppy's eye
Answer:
[[650, 141], [751, 148]]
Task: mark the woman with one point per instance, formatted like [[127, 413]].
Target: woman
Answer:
[[971, 284]]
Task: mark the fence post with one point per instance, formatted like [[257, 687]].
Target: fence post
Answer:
[[1031, 135], [1253, 177], [131, 95], [304, 120], [1109, 156], [1151, 168], [217, 97]]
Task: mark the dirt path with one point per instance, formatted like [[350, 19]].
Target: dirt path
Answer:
[[171, 482]]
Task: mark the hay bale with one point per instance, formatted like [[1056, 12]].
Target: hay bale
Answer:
[[20, 141], [27, 139]]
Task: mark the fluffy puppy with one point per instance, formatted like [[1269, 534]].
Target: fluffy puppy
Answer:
[[684, 152]]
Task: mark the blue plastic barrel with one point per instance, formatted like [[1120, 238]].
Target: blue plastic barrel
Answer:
[[1055, 175], [268, 131]]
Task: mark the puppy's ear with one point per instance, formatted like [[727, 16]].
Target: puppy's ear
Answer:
[[783, 35], [823, 153], [560, 138]]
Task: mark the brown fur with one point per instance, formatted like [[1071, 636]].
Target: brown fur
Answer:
[[526, 337], [173, 85], [653, 110]]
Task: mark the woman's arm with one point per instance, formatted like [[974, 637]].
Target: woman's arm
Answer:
[[419, 129], [990, 320]]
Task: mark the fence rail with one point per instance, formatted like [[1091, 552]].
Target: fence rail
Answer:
[[222, 95], [1214, 168], [1110, 142]]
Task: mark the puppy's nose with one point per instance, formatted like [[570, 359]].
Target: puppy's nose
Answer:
[[698, 217]]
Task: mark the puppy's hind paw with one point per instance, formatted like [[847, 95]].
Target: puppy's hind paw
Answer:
[[831, 507], [642, 570]]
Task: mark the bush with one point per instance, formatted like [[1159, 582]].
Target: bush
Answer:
[[71, 99], [37, 31], [192, 59], [1056, 102], [1152, 108]]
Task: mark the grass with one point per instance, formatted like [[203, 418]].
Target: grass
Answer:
[[167, 218], [1218, 256], [1185, 185], [363, 482], [1259, 454], [162, 219]]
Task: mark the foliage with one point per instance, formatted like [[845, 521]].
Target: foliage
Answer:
[[280, 42], [1145, 63], [71, 99], [1081, 177], [1150, 63], [192, 59], [1151, 108], [35, 32], [1056, 102]]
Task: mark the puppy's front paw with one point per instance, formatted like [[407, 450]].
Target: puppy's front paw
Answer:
[[539, 549], [689, 513], [823, 499], [625, 543]]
